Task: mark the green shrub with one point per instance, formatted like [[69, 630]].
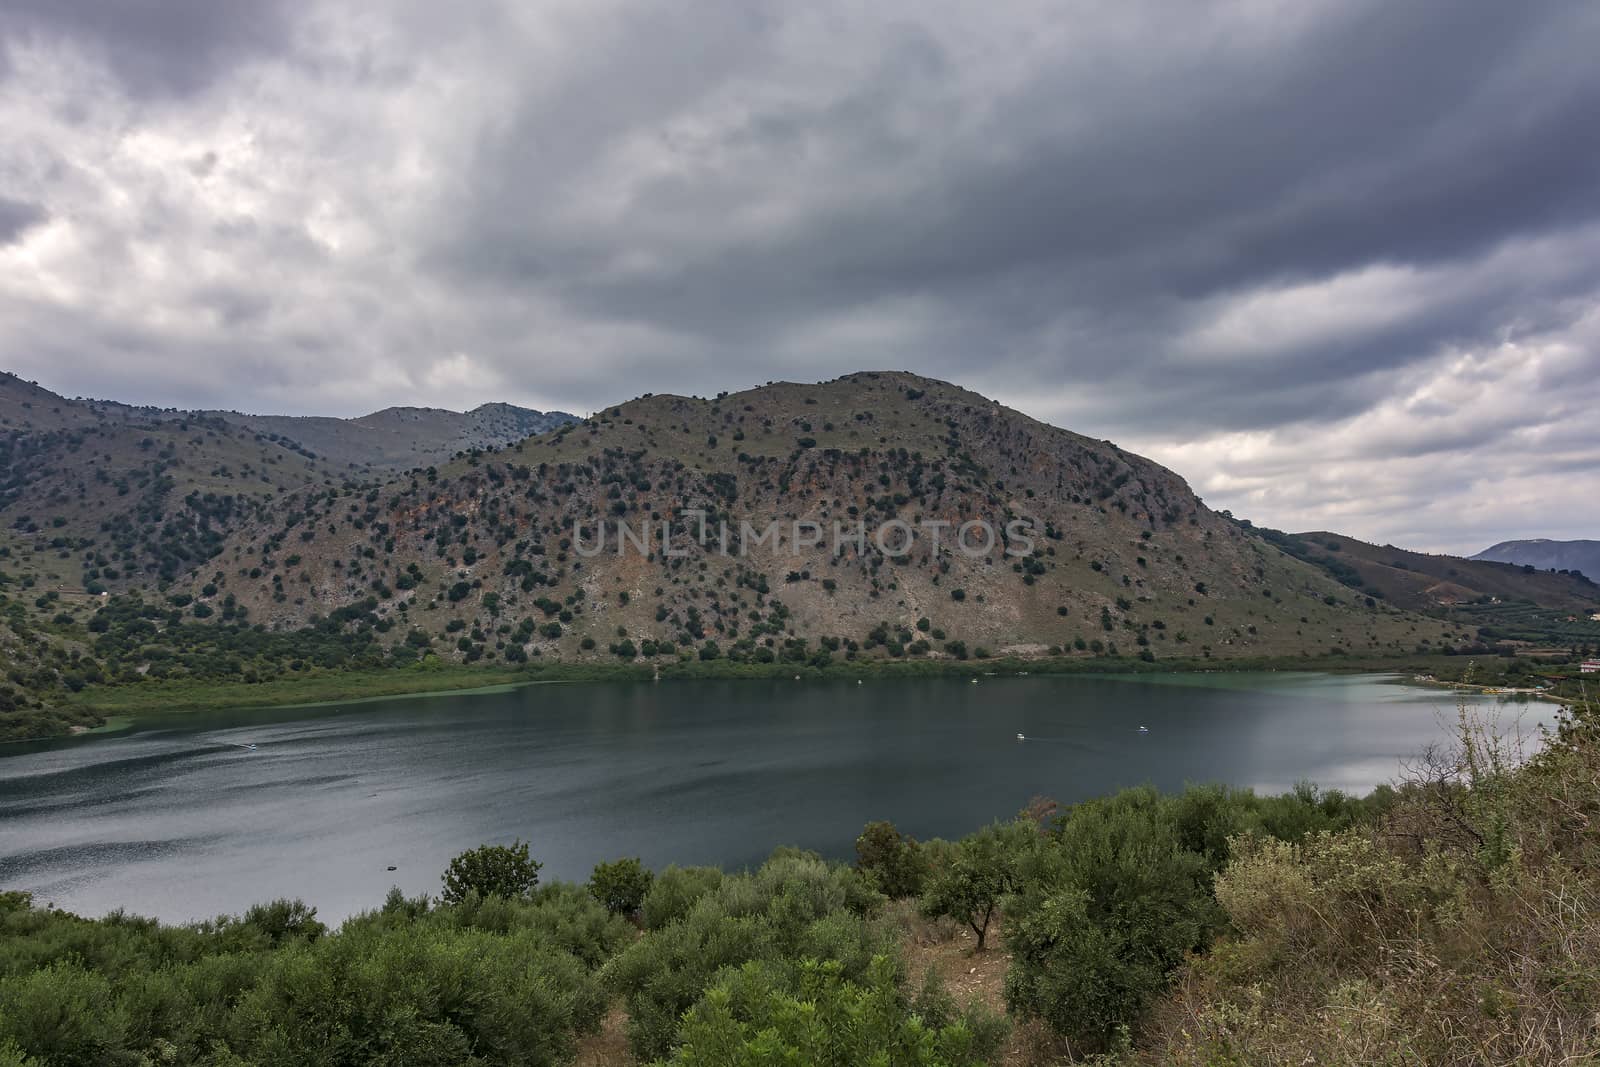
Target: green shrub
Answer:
[[793, 907], [63, 1014], [980, 872], [674, 892], [494, 980], [491, 871], [890, 862], [620, 886], [563, 915], [1107, 911], [763, 1014], [422, 993]]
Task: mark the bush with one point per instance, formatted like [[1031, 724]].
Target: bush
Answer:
[[491, 871], [979, 873], [1107, 912], [793, 907], [420, 993], [62, 1014], [620, 886], [564, 916], [674, 892], [490, 981], [890, 862], [759, 1014]]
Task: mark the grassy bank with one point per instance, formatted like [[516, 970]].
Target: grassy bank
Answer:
[[172, 695], [333, 687], [432, 677]]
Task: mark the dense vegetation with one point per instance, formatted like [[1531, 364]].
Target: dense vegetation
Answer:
[[1454, 919]]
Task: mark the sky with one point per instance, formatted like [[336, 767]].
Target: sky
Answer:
[[1337, 262]]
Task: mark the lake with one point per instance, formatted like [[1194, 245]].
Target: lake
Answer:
[[175, 819]]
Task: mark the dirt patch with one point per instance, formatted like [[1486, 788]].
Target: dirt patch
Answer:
[[951, 951], [608, 1047]]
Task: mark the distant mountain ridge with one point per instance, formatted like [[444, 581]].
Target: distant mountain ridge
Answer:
[[1420, 581], [400, 438], [388, 440], [1548, 555]]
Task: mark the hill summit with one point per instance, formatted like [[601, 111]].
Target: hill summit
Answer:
[[648, 530]]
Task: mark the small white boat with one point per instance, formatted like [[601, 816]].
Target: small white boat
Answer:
[[1021, 738], [1144, 729], [247, 748]]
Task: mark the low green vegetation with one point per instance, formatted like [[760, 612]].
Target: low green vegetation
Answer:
[[488, 980], [621, 885], [144, 696]]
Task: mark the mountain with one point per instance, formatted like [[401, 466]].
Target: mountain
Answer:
[[145, 543], [400, 438], [476, 559], [1546, 555], [1421, 581], [101, 495]]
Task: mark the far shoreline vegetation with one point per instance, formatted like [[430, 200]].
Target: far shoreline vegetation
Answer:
[[89, 709]]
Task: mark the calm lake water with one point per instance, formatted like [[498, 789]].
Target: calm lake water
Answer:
[[174, 819]]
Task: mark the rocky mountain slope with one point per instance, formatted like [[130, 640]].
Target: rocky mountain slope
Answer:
[[101, 496], [479, 559], [97, 495]]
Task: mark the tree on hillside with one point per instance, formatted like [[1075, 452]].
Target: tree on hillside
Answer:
[[491, 871], [620, 885], [891, 862], [982, 871]]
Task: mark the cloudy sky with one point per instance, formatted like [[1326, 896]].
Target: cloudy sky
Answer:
[[1335, 261]]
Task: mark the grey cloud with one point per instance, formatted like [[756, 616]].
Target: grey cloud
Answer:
[[17, 216], [1408, 135], [156, 47], [1195, 231]]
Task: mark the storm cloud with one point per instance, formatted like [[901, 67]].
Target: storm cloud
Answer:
[[1336, 262]]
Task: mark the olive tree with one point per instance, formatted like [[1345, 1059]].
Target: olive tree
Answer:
[[491, 871]]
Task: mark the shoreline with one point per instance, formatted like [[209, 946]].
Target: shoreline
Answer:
[[123, 706]]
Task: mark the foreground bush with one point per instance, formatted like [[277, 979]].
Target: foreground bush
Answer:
[[620, 886], [1103, 910], [759, 1014], [794, 908], [421, 994], [891, 862], [1462, 928], [674, 892], [1107, 910], [491, 981]]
